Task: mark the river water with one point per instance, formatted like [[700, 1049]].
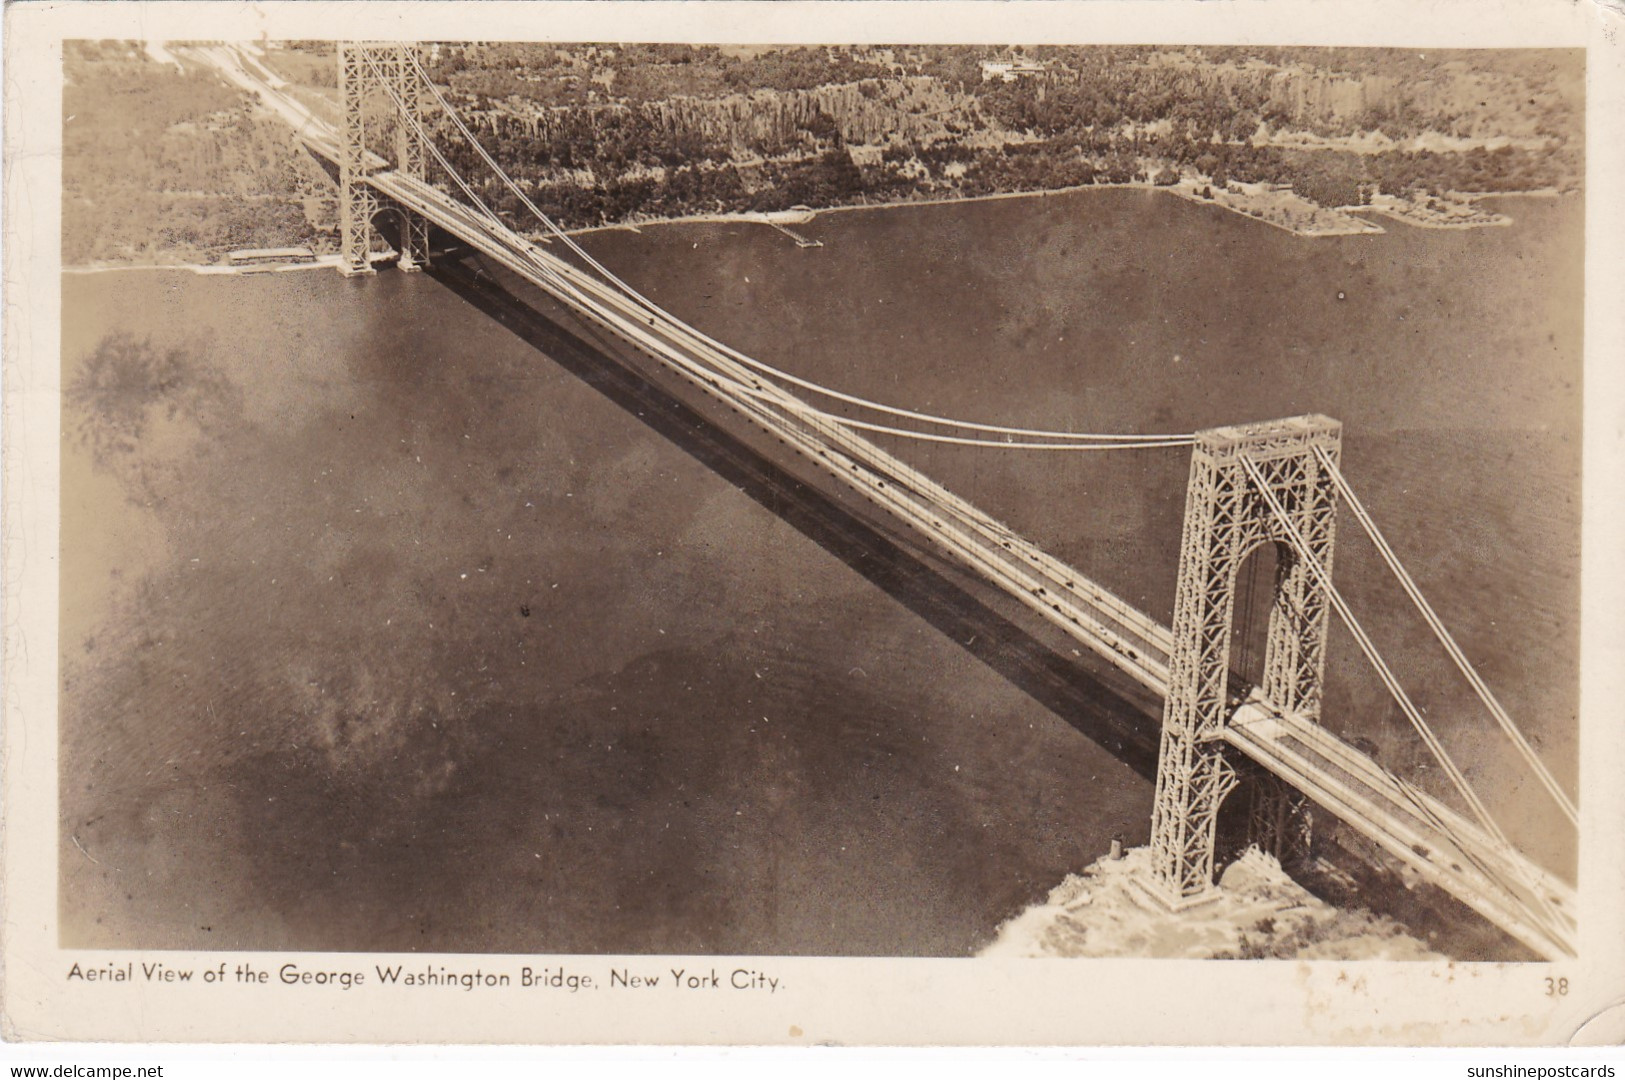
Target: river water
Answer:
[[381, 630]]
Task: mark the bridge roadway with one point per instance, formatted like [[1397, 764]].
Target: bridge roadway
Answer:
[[1439, 845]]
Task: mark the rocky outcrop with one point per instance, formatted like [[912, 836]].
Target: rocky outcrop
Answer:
[[918, 110], [1455, 101], [1258, 912]]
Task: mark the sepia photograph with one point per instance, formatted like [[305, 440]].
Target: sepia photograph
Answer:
[[525, 501]]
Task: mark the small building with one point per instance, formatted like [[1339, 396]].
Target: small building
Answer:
[[1010, 70], [269, 256]]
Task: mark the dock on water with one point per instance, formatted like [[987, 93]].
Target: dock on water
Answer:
[[783, 219], [801, 241]]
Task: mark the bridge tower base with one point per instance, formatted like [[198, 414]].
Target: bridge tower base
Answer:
[[1279, 821], [1225, 520], [381, 87]]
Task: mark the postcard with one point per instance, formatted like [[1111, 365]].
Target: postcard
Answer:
[[815, 523]]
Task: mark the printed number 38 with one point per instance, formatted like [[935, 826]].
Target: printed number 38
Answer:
[[1556, 987]]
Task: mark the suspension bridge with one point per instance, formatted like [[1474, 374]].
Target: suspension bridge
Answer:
[[1274, 483]]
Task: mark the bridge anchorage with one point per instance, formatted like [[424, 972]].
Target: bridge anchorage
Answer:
[[1237, 474], [1276, 483], [383, 74]]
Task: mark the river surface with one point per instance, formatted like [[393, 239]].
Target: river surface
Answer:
[[381, 630]]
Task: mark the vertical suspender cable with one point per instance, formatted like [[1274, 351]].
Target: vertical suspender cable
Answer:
[[1527, 751], [1457, 779]]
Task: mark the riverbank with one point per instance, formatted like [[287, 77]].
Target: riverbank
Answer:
[[1258, 913], [1281, 209], [1271, 205], [320, 262]]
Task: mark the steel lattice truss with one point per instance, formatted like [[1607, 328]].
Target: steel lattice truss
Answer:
[[1225, 520], [365, 69]]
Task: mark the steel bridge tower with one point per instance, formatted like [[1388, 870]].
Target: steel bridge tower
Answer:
[[1226, 519], [382, 93]]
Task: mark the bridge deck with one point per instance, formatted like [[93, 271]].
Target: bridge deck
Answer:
[[1440, 845]]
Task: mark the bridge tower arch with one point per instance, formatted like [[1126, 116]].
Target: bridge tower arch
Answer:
[[382, 94], [1226, 518]]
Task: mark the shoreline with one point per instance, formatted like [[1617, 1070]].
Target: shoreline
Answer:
[[1185, 190], [765, 217], [759, 217], [320, 262]]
